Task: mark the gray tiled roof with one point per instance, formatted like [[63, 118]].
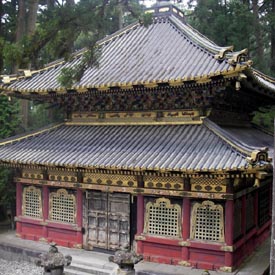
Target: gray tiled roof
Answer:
[[156, 147], [169, 50]]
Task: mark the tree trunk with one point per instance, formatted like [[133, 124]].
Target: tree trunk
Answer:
[[25, 26], [272, 57], [21, 23], [246, 2], [272, 248], [1, 35], [50, 4], [120, 16], [70, 2], [258, 34], [31, 16]]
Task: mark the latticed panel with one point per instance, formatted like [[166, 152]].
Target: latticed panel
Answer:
[[250, 219], [163, 218], [264, 205], [62, 206], [32, 202], [207, 222]]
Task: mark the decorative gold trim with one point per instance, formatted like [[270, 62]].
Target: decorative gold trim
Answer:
[[199, 80], [67, 176], [32, 174], [78, 246], [237, 56], [259, 155], [184, 243], [215, 185], [140, 238], [43, 240], [132, 190], [226, 269], [184, 263], [168, 183], [183, 116], [228, 248], [110, 179], [221, 54]]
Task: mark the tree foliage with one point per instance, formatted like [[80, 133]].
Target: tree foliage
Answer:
[[242, 23], [9, 122]]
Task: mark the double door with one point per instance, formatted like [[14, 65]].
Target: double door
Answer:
[[107, 220]]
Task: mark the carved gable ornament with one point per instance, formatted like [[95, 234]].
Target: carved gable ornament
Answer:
[[259, 157]]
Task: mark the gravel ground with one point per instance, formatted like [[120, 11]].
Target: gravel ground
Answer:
[[19, 268]]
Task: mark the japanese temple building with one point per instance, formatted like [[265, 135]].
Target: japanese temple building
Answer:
[[158, 152]]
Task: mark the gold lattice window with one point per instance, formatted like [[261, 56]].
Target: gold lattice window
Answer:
[[32, 202], [207, 222], [62, 206], [163, 218]]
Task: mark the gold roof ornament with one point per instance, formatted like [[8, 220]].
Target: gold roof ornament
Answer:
[[221, 54]]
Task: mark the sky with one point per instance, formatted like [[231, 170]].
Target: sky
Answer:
[[149, 3]]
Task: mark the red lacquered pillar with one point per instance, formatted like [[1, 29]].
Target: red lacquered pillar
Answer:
[[19, 194], [185, 226], [140, 214], [79, 216], [140, 221], [244, 215], [229, 231], [256, 208], [45, 210]]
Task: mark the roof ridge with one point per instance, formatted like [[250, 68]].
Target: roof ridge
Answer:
[[262, 75], [241, 147], [198, 37], [36, 132]]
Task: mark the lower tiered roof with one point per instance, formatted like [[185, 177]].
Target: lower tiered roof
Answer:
[[198, 147]]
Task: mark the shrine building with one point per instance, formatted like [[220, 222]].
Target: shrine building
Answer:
[[157, 153]]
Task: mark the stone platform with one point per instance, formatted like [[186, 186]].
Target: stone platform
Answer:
[[90, 262]]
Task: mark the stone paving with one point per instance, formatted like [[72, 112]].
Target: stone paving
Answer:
[[19, 268]]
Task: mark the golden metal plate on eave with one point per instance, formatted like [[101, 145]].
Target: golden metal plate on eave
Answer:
[[186, 116]]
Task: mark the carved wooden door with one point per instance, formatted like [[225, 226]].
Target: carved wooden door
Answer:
[[108, 220]]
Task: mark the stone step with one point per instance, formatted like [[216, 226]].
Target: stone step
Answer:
[[74, 272], [84, 268]]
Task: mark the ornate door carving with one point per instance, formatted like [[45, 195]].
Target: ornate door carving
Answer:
[[107, 220]]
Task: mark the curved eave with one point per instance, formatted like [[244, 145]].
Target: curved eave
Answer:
[[195, 80], [30, 134], [260, 82], [242, 169]]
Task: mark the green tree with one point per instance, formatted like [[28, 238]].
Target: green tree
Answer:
[[244, 24], [9, 122]]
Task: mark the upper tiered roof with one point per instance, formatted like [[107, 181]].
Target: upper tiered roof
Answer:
[[169, 51]]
